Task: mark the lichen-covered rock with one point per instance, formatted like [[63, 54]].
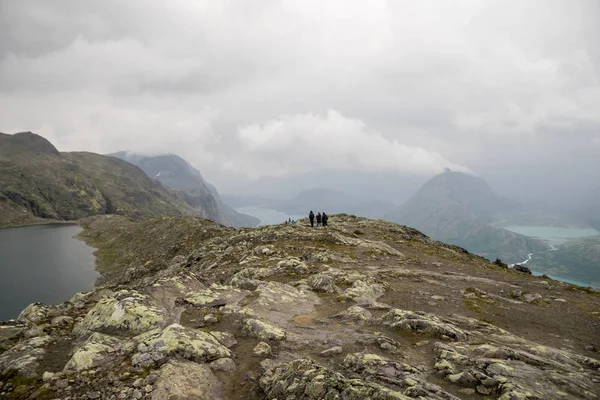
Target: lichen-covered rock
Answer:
[[422, 323], [225, 338], [292, 265], [363, 292], [35, 313], [322, 283], [187, 380], [263, 330], [262, 350], [223, 364], [127, 311], [98, 350], [373, 366], [25, 356], [520, 370], [176, 341], [62, 321], [355, 314], [280, 302], [305, 379]]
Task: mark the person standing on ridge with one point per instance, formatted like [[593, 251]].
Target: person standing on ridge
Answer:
[[311, 217], [324, 218], [318, 219]]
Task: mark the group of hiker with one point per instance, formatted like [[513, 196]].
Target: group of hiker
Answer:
[[321, 219]]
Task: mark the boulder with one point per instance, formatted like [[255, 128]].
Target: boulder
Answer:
[[263, 330], [126, 312], [176, 341], [421, 322], [522, 268], [262, 350], [186, 380]]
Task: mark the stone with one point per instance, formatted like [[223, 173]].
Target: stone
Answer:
[[47, 376], [186, 380], [223, 364], [331, 351], [322, 283], [522, 268], [363, 292], [560, 300], [355, 314], [138, 383], [126, 311], [34, 313], [150, 379], [262, 350], [263, 330], [226, 338], [93, 395], [62, 321], [148, 388], [62, 383], [96, 351], [421, 322], [532, 297], [176, 341]]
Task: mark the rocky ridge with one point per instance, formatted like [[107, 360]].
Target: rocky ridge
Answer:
[[362, 309]]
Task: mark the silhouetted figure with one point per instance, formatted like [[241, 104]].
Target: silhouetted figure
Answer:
[[311, 217], [319, 219], [324, 218]]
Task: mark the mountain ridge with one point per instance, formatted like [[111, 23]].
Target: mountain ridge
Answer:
[[177, 174], [40, 184]]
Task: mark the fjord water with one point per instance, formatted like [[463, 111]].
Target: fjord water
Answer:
[[42, 263], [551, 234]]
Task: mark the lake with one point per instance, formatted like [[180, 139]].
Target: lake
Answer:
[[267, 216], [42, 263], [551, 234]]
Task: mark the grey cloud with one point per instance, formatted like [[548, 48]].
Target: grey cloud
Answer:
[[483, 85]]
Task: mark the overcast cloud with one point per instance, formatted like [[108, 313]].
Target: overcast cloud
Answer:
[[251, 89]]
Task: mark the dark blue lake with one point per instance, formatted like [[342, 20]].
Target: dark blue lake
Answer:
[[42, 263]]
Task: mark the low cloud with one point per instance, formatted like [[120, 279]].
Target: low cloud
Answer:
[[306, 142]]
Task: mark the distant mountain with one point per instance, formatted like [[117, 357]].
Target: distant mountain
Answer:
[[332, 201], [457, 208], [177, 174], [37, 183]]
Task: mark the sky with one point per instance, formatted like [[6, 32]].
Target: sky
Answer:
[[263, 91]]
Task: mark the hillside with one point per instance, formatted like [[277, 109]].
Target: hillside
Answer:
[[332, 201], [176, 173], [458, 208], [38, 183], [360, 310]]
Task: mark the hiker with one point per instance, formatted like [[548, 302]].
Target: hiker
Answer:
[[324, 218], [311, 217], [318, 219]]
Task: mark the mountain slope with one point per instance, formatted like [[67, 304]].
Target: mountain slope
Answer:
[[177, 174], [38, 182], [454, 207]]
